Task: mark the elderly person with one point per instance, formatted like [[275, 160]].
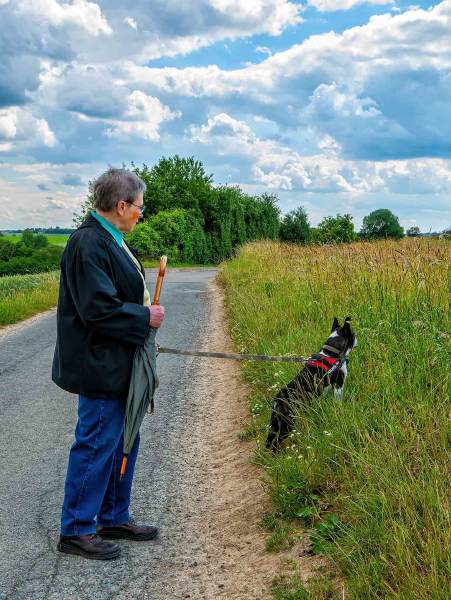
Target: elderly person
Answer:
[[104, 313]]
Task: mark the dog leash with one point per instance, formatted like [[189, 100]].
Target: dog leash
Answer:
[[233, 355]]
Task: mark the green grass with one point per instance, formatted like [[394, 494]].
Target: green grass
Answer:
[[54, 239], [292, 588], [378, 458], [22, 296]]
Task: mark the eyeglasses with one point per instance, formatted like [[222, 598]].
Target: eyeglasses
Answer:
[[142, 208]]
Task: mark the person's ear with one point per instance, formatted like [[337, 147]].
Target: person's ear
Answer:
[[120, 207]]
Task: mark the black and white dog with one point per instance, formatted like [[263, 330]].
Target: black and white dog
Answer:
[[323, 371]]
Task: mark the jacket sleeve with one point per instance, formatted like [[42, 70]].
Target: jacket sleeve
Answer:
[[96, 299]]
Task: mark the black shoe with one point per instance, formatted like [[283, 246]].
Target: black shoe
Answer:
[[128, 531], [88, 546]]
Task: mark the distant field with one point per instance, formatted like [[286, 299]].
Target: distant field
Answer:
[[55, 239]]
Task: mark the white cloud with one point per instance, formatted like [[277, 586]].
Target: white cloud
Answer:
[[274, 15], [19, 125], [131, 23], [374, 79], [142, 118], [279, 167], [80, 13], [263, 50], [332, 5]]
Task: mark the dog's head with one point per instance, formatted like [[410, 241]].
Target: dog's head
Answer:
[[342, 337]]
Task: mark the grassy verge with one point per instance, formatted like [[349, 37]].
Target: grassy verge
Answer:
[[22, 296], [369, 474]]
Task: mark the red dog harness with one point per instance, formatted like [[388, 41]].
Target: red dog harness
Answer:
[[324, 362]]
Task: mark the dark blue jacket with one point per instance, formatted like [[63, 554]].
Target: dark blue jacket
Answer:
[[100, 318]]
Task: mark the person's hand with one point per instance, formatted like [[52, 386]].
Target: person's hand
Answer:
[[156, 315]]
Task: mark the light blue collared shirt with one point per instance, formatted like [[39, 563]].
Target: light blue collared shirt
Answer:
[[114, 231]]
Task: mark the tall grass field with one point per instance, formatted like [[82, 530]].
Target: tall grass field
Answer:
[[368, 476], [22, 296]]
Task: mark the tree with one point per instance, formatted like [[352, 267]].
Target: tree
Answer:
[[175, 182], [335, 230], [295, 227], [381, 223], [413, 231]]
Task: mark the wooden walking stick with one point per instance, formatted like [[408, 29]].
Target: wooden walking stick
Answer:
[[156, 300], [161, 272]]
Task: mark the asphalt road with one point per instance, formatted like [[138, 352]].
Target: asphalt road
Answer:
[[37, 422]]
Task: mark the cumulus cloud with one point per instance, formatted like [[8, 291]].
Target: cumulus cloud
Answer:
[[141, 33], [85, 89], [375, 79], [20, 127], [33, 31], [80, 13], [270, 15], [142, 118], [282, 168]]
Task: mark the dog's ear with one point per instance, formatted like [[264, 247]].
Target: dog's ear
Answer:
[[335, 325], [346, 329]]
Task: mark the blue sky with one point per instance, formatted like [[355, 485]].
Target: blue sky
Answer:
[[336, 105]]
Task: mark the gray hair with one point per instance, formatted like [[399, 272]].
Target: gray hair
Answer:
[[115, 185]]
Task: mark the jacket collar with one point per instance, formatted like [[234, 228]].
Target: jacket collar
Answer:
[[91, 223], [115, 233]]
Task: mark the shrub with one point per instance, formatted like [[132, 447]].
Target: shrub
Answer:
[[335, 230], [28, 260]]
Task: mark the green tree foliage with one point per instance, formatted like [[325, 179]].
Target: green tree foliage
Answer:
[[335, 230], [227, 216], [175, 182], [176, 233], [413, 231], [381, 223], [295, 227]]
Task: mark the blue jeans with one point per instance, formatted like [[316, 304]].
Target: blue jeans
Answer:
[[93, 493]]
